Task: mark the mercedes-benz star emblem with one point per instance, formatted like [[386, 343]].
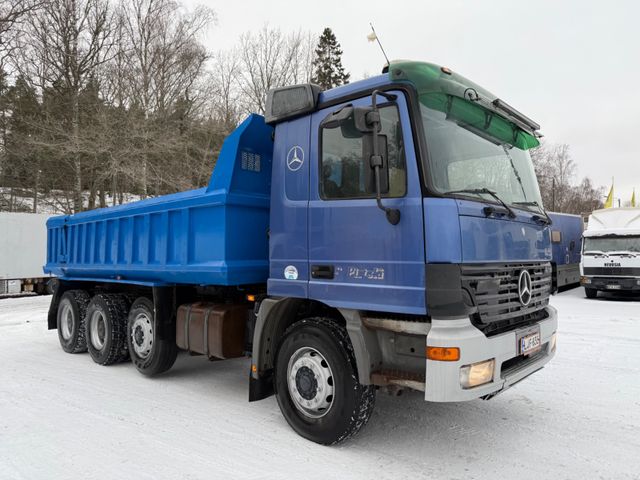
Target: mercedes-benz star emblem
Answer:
[[295, 158], [524, 288]]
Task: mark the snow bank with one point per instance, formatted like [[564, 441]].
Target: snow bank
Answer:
[[62, 416]]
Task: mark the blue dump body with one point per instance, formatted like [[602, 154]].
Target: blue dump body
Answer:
[[566, 239], [216, 235]]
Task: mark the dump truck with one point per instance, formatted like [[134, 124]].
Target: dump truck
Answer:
[[386, 234], [611, 252], [566, 242]]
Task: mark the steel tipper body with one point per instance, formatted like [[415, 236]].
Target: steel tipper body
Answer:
[[611, 251], [566, 241], [407, 248], [211, 236]]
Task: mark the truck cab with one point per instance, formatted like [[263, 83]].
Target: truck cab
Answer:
[[611, 252], [386, 234], [463, 278]]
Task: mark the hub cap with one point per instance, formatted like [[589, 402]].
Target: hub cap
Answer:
[[310, 382], [66, 321], [98, 329], [142, 335]]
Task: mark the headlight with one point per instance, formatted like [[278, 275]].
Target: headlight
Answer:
[[553, 342], [477, 373]]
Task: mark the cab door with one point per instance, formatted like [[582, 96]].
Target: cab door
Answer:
[[357, 259]]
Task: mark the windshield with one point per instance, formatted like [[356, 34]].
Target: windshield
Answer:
[[464, 156], [612, 244]]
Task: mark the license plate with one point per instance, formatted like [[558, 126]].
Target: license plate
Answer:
[[613, 287], [530, 343]]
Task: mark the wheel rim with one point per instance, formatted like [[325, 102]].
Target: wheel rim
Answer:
[[310, 382], [97, 327], [66, 321], [142, 335]]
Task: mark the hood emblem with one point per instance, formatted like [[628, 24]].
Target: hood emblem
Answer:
[[524, 288]]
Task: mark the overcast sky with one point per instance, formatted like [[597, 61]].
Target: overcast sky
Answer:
[[572, 66]]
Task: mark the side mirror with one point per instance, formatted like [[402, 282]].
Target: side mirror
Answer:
[[370, 162], [353, 121]]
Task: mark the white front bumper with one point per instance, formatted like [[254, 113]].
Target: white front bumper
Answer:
[[443, 378]]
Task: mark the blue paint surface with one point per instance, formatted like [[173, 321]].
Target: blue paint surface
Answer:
[[378, 266], [567, 251]]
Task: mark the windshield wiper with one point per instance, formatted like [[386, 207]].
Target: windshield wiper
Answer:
[[546, 220], [513, 167], [479, 191], [595, 253], [622, 253]]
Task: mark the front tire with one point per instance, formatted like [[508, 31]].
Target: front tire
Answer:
[[149, 353], [72, 310], [105, 332], [590, 292], [317, 385]]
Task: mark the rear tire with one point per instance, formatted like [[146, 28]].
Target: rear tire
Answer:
[[106, 329], [72, 310], [590, 292], [149, 353], [317, 383]]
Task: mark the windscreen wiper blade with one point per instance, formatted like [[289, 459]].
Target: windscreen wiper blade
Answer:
[[547, 218], [486, 191], [621, 253], [595, 252]]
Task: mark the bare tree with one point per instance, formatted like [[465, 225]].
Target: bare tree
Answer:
[[271, 59], [556, 170], [225, 94], [67, 40], [166, 59], [13, 14]]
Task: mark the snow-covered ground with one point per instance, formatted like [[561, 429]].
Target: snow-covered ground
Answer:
[[64, 417]]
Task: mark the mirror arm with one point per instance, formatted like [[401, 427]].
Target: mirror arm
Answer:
[[392, 214]]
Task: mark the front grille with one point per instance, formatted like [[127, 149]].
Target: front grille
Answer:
[[612, 271], [494, 291]]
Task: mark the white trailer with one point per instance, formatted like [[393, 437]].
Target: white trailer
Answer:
[[23, 250], [611, 251]]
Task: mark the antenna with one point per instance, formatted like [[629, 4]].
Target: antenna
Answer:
[[374, 36]]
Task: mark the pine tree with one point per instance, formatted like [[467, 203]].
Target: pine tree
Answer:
[[328, 71]]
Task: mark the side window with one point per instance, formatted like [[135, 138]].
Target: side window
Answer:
[[343, 171]]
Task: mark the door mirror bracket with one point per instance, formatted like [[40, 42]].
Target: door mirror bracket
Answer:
[[376, 159]]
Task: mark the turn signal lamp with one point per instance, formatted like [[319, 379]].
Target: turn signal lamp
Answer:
[[477, 374], [251, 298], [443, 354]]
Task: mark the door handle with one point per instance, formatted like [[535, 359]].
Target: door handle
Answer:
[[322, 271]]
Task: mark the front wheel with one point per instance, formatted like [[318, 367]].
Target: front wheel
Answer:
[[591, 292], [317, 383], [149, 353]]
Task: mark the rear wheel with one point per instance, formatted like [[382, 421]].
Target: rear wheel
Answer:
[[317, 383], [591, 292], [72, 310], [106, 327], [149, 353]]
